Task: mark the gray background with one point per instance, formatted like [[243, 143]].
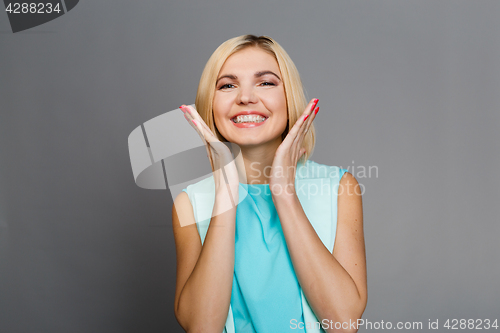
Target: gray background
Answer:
[[411, 87]]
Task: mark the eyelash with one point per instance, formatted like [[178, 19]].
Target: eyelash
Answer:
[[225, 85], [229, 84]]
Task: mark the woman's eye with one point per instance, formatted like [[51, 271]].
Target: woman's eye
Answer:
[[268, 84], [226, 86]]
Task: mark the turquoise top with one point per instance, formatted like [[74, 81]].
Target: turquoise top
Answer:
[[266, 293]]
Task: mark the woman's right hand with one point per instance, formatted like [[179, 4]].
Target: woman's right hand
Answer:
[[223, 165]]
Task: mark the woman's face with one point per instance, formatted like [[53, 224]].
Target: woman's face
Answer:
[[249, 83]]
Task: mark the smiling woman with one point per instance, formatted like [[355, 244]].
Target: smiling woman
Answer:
[[281, 250]]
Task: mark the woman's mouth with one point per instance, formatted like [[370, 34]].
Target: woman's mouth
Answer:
[[248, 121]]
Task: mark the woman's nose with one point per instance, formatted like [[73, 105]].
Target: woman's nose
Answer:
[[246, 95]]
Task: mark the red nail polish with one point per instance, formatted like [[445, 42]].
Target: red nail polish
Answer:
[[306, 117], [314, 104], [316, 111], [194, 122]]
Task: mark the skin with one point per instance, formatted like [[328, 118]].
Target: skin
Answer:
[[334, 283]]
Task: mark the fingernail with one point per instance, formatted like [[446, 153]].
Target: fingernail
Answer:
[[306, 117], [314, 103], [316, 111], [194, 122]]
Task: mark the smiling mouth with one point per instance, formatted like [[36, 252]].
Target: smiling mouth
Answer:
[[248, 119]]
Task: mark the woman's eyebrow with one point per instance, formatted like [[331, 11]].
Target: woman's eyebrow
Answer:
[[259, 74], [229, 76]]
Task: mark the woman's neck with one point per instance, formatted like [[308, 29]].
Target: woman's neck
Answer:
[[255, 162]]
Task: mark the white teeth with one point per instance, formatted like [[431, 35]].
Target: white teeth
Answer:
[[249, 119]]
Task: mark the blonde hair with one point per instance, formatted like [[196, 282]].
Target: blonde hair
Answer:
[[294, 91]]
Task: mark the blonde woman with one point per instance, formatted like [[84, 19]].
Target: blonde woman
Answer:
[[284, 258]]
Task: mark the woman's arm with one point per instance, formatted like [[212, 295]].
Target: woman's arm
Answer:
[[204, 273], [334, 285]]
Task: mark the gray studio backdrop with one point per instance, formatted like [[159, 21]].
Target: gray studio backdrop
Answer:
[[409, 87]]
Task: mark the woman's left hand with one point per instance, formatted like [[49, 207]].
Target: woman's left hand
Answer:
[[282, 180]]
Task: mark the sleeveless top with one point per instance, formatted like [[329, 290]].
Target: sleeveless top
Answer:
[[266, 295]]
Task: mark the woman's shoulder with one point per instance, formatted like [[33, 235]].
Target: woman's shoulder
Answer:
[[311, 169], [203, 186]]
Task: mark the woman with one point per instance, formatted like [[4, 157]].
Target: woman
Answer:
[[264, 266]]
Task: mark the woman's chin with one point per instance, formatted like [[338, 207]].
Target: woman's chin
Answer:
[[248, 140], [252, 136]]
